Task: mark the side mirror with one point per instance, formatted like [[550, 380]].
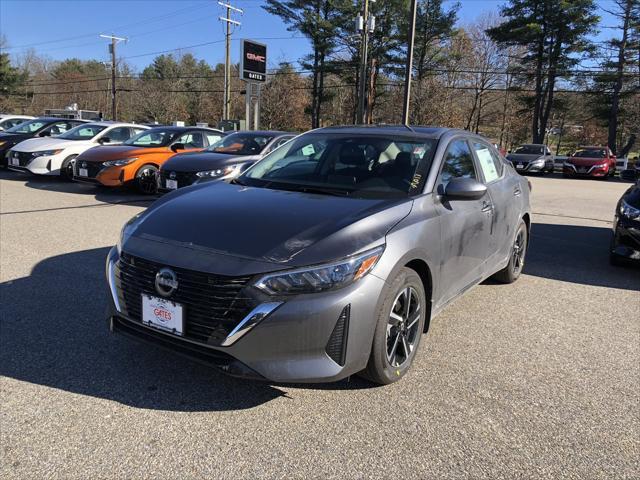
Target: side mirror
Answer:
[[46, 133], [177, 146], [104, 140], [465, 189]]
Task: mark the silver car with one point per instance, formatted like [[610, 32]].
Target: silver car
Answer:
[[327, 258], [532, 158]]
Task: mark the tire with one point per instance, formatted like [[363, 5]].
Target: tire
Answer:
[[66, 169], [512, 271], [389, 361], [146, 182]]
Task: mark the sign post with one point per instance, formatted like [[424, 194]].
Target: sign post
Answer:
[[253, 71]]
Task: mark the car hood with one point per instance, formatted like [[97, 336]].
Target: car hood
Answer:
[[273, 227], [103, 153], [47, 143], [6, 136], [585, 161], [202, 161], [523, 157]]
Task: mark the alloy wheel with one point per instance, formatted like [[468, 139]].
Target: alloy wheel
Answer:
[[519, 248], [147, 180], [402, 327]]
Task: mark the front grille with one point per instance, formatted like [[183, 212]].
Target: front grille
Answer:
[[337, 345], [93, 168], [212, 304], [184, 179], [23, 158]]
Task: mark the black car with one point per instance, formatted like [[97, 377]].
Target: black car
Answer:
[[631, 173], [224, 160], [625, 243], [38, 127]]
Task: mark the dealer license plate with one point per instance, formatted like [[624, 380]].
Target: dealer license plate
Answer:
[[172, 184], [83, 172], [162, 314], [520, 165]]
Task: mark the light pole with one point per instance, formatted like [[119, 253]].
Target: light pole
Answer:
[[409, 67], [226, 106], [112, 50]]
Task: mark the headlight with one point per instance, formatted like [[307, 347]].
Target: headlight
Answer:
[[538, 161], [119, 163], [628, 211], [567, 164], [126, 232], [219, 172], [2, 143], [600, 165], [45, 153], [322, 277]]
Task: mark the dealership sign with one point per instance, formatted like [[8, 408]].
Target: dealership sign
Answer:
[[253, 61]]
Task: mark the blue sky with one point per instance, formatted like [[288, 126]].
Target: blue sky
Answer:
[[63, 29]]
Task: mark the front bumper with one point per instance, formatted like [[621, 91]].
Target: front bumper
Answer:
[[296, 342], [626, 238], [530, 167], [98, 174], [43, 165]]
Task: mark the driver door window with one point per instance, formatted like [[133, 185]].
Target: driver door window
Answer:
[[58, 128], [191, 140], [458, 162]]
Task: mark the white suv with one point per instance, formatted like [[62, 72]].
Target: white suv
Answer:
[[56, 155]]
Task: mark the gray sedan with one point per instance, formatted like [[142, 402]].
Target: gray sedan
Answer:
[[532, 158], [327, 258]]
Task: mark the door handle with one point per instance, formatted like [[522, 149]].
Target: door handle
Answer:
[[487, 207], [517, 192]]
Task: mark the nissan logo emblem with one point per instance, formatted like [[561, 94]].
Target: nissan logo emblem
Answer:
[[172, 175], [166, 282]]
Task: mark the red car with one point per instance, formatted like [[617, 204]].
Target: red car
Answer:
[[590, 162]]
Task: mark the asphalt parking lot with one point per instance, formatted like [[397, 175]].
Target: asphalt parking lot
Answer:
[[539, 379]]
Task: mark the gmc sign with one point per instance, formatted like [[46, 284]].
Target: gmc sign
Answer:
[[253, 61]]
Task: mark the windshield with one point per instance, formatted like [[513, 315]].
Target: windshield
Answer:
[[590, 153], [28, 127], [241, 144], [83, 132], [371, 166], [530, 150], [156, 137]]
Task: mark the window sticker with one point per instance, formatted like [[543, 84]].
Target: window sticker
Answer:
[[308, 150], [487, 165]]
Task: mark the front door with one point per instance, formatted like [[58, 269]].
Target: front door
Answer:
[[466, 225]]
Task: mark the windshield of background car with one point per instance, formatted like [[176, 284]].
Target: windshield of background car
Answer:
[[530, 150], [82, 132], [28, 127], [240, 144], [590, 153], [156, 137], [364, 166]]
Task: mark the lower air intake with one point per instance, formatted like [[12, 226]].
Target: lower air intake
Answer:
[[337, 345]]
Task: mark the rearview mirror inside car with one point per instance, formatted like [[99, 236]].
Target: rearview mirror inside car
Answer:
[[177, 146], [465, 188]]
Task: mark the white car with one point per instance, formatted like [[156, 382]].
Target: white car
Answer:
[[56, 155], [10, 121]]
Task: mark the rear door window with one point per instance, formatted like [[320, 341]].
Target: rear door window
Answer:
[[490, 165]]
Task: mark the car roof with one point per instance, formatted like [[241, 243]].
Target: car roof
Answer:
[[263, 132], [422, 131], [184, 129], [56, 119], [112, 123], [595, 147]]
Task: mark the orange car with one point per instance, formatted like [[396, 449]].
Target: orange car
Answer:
[[136, 161]]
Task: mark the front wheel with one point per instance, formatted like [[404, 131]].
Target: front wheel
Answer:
[[399, 327], [66, 169], [146, 179], [512, 271]]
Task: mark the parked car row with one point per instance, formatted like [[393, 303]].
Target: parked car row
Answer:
[[116, 154]]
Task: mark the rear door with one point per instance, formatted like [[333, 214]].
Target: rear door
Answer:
[[466, 224]]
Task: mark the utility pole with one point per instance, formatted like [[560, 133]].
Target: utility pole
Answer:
[[409, 67], [363, 23], [226, 106], [112, 50]]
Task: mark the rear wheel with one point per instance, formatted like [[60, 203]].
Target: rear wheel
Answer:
[[66, 169], [398, 329], [146, 179], [512, 271]]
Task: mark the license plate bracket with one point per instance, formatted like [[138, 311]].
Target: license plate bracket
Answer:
[[162, 314]]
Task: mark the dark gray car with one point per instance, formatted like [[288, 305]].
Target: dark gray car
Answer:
[[327, 258], [532, 158]]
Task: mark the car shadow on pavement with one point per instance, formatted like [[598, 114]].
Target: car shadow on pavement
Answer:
[[125, 196], [577, 254], [54, 333]]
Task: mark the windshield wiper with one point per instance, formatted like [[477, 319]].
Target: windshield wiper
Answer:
[[308, 189]]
